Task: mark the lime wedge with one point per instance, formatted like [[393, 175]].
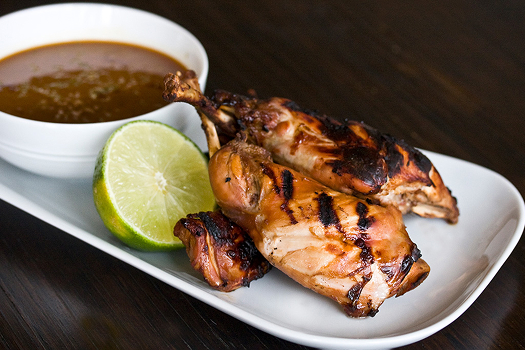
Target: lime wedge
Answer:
[[147, 177]]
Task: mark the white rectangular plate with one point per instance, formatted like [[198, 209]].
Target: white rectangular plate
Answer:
[[463, 258]]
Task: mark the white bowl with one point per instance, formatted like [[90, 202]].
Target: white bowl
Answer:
[[70, 150]]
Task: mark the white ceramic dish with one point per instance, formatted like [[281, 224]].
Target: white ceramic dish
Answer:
[[69, 150], [464, 258]]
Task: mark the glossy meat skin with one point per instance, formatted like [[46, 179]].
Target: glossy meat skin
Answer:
[[340, 246], [350, 157], [221, 250]]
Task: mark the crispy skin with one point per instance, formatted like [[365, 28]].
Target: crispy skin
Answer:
[[341, 246], [221, 250], [350, 157]]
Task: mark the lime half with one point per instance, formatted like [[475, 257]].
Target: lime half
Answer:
[[147, 177]]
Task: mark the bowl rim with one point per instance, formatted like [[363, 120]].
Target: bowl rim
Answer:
[[198, 45]]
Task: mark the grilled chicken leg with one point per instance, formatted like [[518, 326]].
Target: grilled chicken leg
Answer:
[[220, 250], [343, 247], [349, 157]]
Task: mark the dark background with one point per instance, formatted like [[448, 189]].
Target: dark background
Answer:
[[445, 76]]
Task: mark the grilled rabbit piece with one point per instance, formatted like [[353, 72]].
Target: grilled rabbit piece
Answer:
[[340, 246], [349, 157]]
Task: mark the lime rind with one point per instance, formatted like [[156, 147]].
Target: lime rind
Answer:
[[147, 177]]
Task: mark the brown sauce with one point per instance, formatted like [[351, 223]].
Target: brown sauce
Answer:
[[84, 82]]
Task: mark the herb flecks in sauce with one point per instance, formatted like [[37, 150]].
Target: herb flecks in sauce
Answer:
[[83, 82]]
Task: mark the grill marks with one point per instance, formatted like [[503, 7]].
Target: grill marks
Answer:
[[287, 184], [409, 260], [361, 150], [285, 189], [227, 234], [328, 217], [287, 192], [364, 222], [221, 250], [212, 225], [371, 156], [327, 214], [354, 294]]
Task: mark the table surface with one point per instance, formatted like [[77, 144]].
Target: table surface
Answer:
[[445, 76]]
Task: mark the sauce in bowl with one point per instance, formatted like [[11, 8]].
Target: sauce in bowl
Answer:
[[84, 82]]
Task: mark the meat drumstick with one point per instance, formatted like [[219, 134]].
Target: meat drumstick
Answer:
[[349, 157], [340, 246]]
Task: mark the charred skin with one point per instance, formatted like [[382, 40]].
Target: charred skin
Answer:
[[350, 157], [221, 250], [340, 246]]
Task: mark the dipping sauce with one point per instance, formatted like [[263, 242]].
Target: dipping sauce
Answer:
[[84, 82]]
